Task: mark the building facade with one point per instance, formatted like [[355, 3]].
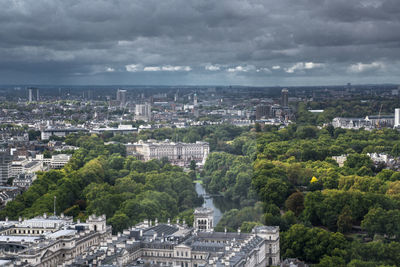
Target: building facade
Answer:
[[121, 97], [285, 97], [5, 165], [25, 166], [143, 112], [24, 180], [369, 122], [262, 111], [177, 153], [58, 241], [50, 241], [397, 118], [203, 219], [59, 160], [166, 244], [59, 132]]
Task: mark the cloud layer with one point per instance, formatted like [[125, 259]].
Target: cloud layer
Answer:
[[254, 42]]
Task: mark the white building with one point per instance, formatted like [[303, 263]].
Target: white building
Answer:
[[397, 117], [24, 180], [143, 112], [58, 161], [17, 167], [121, 129], [203, 219], [340, 159], [59, 132], [350, 123], [41, 158], [50, 241], [369, 122], [177, 153], [379, 158], [121, 97], [25, 166], [166, 244]]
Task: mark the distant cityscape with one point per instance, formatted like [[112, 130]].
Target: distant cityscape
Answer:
[[35, 127]]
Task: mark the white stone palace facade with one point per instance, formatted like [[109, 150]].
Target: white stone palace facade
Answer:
[[178, 153], [58, 241], [50, 241], [167, 244]]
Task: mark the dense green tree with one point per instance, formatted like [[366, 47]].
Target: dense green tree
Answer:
[[304, 132], [395, 150], [193, 165], [357, 161], [380, 221], [295, 202], [332, 261], [345, 221], [311, 244], [119, 222], [275, 191], [234, 218]]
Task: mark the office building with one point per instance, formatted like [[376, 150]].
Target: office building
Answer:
[[30, 94], [59, 160], [285, 97], [262, 111], [121, 129], [195, 100], [121, 97], [59, 132], [143, 112], [5, 166], [397, 118], [33, 94], [25, 166]]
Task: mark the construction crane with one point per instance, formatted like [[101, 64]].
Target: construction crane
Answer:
[[379, 117], [123, 113]]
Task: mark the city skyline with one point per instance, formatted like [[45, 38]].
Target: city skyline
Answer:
[[253, 43]]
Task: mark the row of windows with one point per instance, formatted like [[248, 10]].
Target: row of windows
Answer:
[[179, 254], [182, 254], [28, 231], [216, 241], [158, 254]]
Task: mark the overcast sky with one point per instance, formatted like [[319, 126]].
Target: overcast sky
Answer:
[[207, 42]]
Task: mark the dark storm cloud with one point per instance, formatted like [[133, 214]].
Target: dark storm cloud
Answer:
[[199, 41]]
